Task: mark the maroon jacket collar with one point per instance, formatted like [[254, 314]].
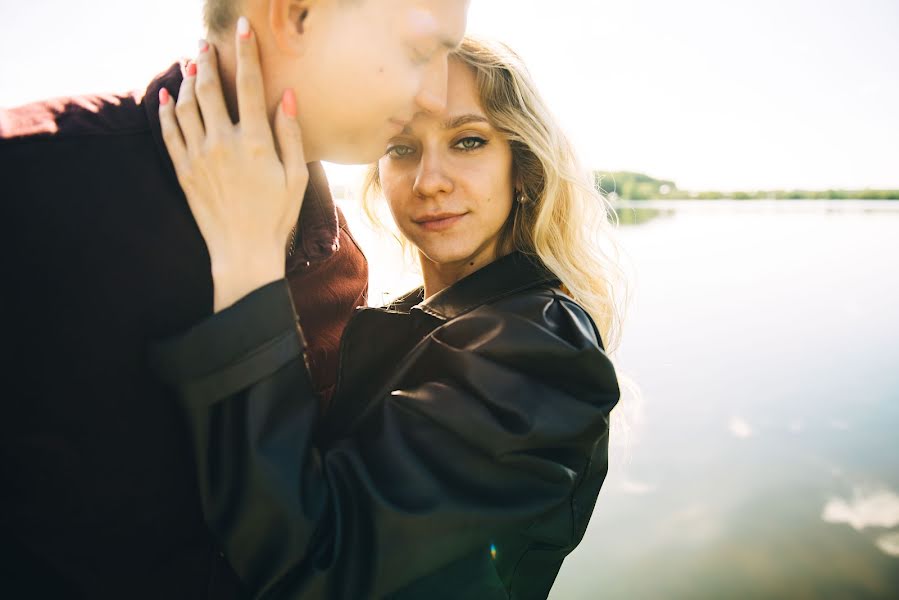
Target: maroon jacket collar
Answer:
[[318, 237]]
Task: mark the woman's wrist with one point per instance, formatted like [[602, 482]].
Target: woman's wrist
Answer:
[[233, 277]]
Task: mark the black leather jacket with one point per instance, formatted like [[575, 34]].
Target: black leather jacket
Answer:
[[461, 457]]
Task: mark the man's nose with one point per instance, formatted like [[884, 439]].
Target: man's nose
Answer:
[[431, 97]]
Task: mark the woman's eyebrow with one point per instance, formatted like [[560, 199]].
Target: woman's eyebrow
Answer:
[[454, 122]]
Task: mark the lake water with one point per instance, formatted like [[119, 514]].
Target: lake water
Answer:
[[763, 459], [763, 456]]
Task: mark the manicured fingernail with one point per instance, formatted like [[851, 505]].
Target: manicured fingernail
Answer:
[[243, 28], [289, 103], [204, 46], [191, 69], [163, 96]]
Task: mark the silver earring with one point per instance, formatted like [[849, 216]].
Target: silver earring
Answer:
[[520, 197]]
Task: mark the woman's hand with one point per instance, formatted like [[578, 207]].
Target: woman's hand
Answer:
[[245, 194]]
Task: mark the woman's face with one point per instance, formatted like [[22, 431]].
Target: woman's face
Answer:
[[448, 178]]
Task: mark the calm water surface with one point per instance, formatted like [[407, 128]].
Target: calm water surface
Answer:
[[763, 458]]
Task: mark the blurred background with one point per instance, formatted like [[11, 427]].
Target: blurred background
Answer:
[[751, 150]]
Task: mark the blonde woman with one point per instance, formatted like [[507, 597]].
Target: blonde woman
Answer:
[[467, 440]]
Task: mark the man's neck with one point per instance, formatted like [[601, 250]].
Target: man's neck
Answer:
[[227, 61]]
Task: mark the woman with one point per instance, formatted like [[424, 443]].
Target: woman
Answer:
[[467, 440]]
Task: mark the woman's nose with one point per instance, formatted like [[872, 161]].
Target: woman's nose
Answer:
[[432, 177]]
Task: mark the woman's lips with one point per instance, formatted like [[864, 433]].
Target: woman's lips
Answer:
[[440, 222]]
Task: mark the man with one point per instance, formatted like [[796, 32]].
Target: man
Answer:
[[98, 497]]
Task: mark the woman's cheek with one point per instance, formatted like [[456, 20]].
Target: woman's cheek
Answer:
[[396, 201]]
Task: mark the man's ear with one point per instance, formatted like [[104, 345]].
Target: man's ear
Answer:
[[288, 20]]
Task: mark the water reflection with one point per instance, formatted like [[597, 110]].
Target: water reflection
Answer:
[[739, 427], [879, 508], [868, 508], [638, 488], [889, 543]]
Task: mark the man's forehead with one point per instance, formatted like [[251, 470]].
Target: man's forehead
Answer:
[[443, 19]]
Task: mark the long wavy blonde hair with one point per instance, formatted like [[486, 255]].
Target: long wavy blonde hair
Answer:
[[564, 221]]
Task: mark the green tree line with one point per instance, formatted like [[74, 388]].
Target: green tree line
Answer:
[[628, 185]]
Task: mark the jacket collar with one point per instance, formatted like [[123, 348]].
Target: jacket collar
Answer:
[[505, 276], [318, 234]]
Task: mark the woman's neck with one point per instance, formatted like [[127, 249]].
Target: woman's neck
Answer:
[[227, 64], [439, 276]]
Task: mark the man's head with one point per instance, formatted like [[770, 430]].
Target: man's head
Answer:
[[360, 68]]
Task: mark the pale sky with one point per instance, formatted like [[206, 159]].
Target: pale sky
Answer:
[[713, 94]]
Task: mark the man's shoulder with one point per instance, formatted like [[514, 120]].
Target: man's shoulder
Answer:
[[68, 118]]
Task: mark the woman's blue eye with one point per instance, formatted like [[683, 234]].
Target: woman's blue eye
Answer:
[[400, 151], [470, 143]]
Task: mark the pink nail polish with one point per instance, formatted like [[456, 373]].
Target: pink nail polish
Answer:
[[191, 69], [204, 46], [164, 96], [289, 103], [243, 28]]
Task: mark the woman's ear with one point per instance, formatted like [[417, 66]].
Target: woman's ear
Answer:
[[288, 19]]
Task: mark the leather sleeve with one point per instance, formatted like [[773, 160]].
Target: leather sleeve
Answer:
[[490, 423]]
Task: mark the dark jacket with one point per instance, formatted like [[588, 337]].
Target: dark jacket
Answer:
[[98, 494], [461, 457]]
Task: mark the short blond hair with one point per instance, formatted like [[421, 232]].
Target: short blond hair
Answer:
[[220, 15]]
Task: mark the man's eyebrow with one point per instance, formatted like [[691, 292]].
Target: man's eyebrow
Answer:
[[454, 122]]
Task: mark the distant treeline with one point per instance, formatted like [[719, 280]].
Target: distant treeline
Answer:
[[637, 186]]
